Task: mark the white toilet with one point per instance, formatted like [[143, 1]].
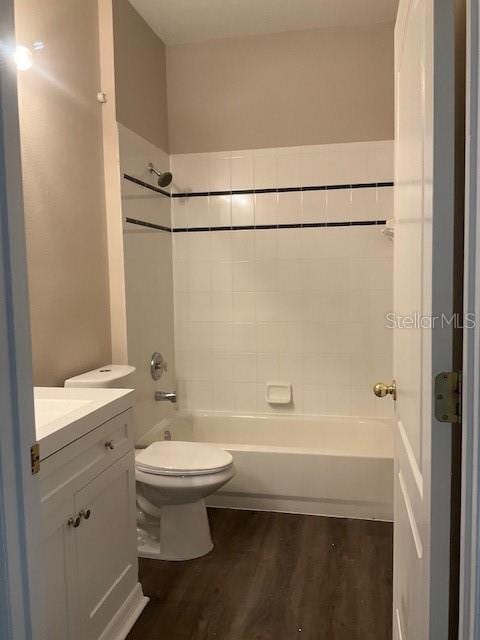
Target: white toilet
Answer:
[[173, 478]]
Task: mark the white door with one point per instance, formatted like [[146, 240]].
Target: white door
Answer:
[[423, 256], [20, 576]]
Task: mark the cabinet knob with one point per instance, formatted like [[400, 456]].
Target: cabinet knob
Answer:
[[109, 445], [74, 521], [85, 513]]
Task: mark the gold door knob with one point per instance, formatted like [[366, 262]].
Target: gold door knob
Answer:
[[381, 390]]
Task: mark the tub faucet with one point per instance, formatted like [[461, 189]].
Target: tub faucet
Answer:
[[162, 396]]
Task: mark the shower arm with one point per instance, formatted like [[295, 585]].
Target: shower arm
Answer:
[[152, 169]]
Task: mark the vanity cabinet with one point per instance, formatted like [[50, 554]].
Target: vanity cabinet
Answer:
[[88, 547]]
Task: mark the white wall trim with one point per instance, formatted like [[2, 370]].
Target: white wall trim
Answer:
[[19, 498], [470, 536]]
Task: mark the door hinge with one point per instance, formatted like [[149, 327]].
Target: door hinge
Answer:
[[35, 458], [448, 397]]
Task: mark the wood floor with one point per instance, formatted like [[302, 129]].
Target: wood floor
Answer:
[[274, 576]]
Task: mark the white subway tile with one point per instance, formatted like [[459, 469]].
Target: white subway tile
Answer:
[[314, 400], [266, 244], [290, 368], [221, 276], [221, 306], [243, 276], [198, 245], [314, 206], [243, 306], [364, 204], [198, 214], [338, 401], [179, 212], [266, 208], [244, 337], [268, 337], [339, 205], [267, 367], [224, 396], [266, 275], [219, 172], [266, 306], [182, 276], [245, 367], [245, 396], [199, 335], [265, 168], [290, 244], [221, 335], [220, 211], [242, 170], [190, 172], [243, 245], [222, 363], [180, 247], [291, 274], [289, 207], [288, 167], [200, 306], [221, 249], [243, 210], [199, 275]]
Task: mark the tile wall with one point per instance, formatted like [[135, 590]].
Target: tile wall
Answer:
[[148, 276], [281, 273]]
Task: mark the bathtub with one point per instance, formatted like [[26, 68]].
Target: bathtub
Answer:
[[313, 465]]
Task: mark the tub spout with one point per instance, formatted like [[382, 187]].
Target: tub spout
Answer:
[[162, 396]]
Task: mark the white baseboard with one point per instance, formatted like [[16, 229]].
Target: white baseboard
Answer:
[[331, 508], [126, 616]]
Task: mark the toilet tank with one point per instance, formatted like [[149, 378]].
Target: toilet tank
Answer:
[[113, 376]]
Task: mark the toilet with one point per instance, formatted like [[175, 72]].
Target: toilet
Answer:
[[173, 480]]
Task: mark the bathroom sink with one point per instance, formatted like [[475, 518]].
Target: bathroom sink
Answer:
[[64, 414], [51, 409]]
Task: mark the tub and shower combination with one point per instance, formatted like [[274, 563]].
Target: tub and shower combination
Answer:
[[331, 466]]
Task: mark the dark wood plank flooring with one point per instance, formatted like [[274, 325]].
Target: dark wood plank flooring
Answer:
[[274, 576]]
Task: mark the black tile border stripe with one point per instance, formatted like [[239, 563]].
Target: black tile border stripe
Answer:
[[150, 225], [320, 187], [293, 225], [253, 227], [147, 185], [239, 192]]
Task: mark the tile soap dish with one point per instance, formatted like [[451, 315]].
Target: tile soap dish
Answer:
[[279, 393]]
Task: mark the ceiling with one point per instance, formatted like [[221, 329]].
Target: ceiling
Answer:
[[187, 21]]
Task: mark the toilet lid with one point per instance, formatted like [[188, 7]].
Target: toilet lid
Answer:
[[182, 458]]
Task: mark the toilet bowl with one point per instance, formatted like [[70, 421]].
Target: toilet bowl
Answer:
[[173, 478]]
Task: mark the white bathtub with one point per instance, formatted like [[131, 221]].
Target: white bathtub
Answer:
[[313, 465]]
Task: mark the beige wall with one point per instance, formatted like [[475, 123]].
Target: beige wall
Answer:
[[308, 87], [140, 76], [61, 139]]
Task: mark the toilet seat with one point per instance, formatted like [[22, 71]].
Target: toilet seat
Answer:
[[175, 458]]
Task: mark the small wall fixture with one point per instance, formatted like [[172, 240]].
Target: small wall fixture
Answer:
[[164, 178], [279, 393]]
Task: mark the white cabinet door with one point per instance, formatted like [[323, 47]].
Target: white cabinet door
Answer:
[[59, 584], [106, 546], [423, 280]]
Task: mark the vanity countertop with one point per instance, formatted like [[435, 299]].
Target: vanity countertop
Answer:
[[63, 415]]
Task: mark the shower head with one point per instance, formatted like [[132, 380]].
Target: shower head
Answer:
[[164, 178]]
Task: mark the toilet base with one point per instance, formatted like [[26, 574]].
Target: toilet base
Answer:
[[181, 533]]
